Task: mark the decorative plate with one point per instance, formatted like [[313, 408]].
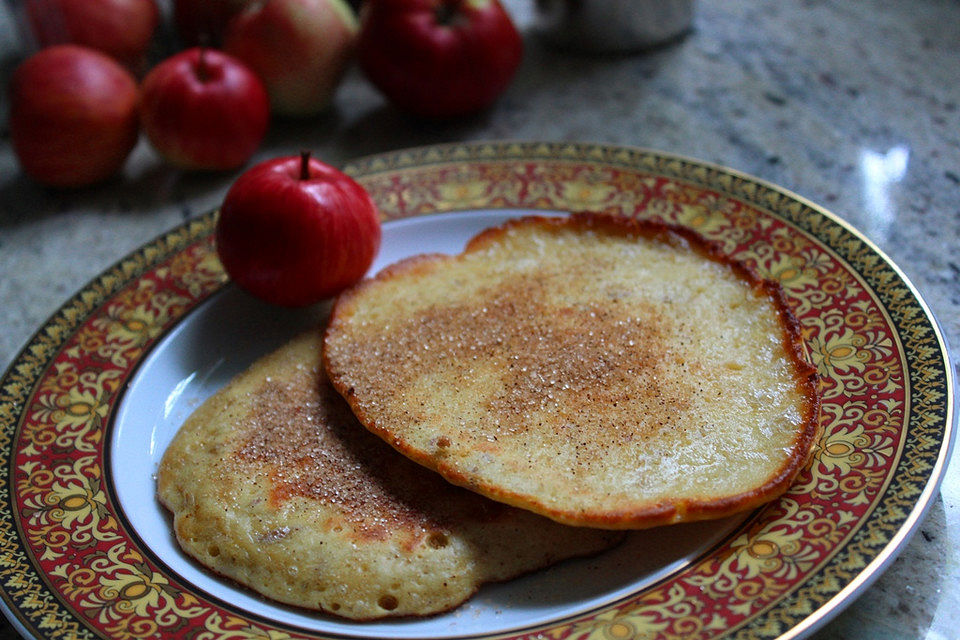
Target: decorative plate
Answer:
[[88, 406]]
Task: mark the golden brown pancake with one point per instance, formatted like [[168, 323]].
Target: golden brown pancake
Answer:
[[598, 371], [273, 483]]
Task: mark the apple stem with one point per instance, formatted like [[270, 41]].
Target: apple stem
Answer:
[[202, 73], [447, 14], [304, 165]]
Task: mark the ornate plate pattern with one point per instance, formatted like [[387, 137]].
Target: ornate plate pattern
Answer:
[[69, 568]]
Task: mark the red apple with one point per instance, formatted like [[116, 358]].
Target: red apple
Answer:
[[73, 115], [293, 231], [203, 21], [299, 48], [123, 29], [438, 58], [204, 109]]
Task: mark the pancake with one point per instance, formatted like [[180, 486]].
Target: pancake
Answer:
[[598, 371], [274, 484]]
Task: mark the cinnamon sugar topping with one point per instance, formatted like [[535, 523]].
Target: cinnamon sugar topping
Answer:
[[591, 369], [302, 438], [547, 355]]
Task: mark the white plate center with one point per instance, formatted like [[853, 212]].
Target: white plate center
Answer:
[[226, 334]]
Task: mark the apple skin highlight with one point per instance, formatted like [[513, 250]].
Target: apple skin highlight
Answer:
[[73, 116], [299, 48], [438, 58], [294, 230], [204, 110]]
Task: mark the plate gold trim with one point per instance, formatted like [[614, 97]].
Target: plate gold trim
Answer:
[[68, 571]]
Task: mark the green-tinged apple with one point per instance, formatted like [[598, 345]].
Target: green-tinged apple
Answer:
[[204, 109], [293, 231], [123, 29], [73, 115], [299, 48], [438, 58]]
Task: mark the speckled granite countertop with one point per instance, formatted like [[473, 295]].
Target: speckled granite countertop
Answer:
[[855, 106]]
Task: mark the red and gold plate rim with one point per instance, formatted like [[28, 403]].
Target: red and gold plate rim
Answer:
[[70, 566]]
